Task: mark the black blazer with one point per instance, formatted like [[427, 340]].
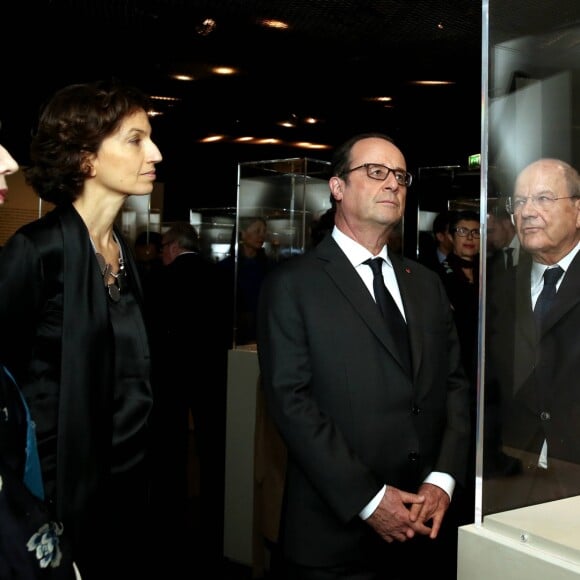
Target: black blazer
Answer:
[[350, 416], [58, 343], [190, 316], [536, 374]]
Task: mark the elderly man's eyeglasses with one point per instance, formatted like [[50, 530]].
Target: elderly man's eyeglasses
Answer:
[[514, 205], [465, 232], [380, 172]]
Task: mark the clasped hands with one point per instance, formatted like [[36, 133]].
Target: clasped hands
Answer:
[[400, 514]]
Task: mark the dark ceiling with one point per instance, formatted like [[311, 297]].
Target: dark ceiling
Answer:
[[335, 55]]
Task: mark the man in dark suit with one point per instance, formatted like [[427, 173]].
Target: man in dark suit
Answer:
[[189, 358], [374, 448], [436, 247], [534, 364], [503, 245]]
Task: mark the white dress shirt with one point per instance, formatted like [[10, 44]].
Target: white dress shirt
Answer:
[[357, 255]]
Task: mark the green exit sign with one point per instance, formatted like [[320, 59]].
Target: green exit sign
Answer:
[[474, 161]]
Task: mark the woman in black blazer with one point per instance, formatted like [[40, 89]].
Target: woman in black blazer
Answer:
[[73, 331]]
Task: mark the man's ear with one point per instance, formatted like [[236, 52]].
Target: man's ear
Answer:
[[336, 185], [577, 202]]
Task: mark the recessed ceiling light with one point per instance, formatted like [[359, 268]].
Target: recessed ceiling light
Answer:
[[308, 145], [212, 138], [383, 99], [432, 83], [162, 98], [270, 23], [206, 27], [180, 77], [224, 70]]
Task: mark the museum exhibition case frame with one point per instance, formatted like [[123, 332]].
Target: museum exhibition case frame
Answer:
[[290, 196], [525, 517]]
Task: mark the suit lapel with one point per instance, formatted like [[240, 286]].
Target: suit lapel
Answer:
[[347, 280], [567, 297]]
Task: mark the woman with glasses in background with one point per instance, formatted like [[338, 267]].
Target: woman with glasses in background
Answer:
[[460, 275]]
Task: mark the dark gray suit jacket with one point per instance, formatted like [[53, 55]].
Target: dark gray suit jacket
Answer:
[[535, 376], [350, 416]]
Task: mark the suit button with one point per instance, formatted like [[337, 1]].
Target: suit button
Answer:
[[413, 456], [545, 416], [415, 410]]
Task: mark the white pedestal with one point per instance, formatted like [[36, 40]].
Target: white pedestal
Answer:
[[243, 374], [534, 543]]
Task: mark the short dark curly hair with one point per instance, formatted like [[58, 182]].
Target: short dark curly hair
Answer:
[[463, 214], [72, 125]]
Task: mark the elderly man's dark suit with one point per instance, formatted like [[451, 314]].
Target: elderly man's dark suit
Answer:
[[351, 417], [537, 377]]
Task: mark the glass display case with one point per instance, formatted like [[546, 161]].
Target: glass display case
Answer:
[[527, 483], [279, 206], [531, 113]]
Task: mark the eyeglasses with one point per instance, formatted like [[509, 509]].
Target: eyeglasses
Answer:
[[464, 232], [381, 172], [514, 205]]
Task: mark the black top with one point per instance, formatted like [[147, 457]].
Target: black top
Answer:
[[464, 297], [132, 398]]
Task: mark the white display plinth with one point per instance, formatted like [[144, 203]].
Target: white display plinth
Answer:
[[536, 543], [243, 374]]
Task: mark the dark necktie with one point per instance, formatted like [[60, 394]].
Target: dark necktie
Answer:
[[509, 258], [546, 297], [390, 311]]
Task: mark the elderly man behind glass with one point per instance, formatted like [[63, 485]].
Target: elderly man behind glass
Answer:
[[534, 361]]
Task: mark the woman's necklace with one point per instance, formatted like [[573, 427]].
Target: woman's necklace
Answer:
[[114, 289]]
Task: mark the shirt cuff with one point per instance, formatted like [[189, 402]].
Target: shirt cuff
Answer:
[[372, 505], [438, 478], [442, 480]]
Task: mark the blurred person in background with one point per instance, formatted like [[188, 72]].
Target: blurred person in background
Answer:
[[503, 245], [433, 249], [190, 329], [246, 280], [147, 249], [460, 274]]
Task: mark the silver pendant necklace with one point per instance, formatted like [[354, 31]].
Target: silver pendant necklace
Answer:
[[114, 289]]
